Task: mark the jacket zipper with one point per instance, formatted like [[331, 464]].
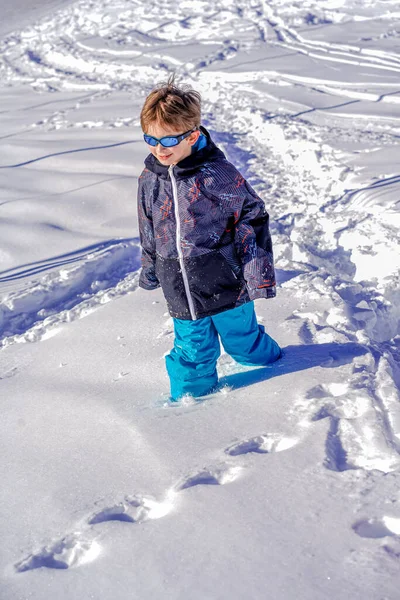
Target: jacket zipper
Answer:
[[178, 244]]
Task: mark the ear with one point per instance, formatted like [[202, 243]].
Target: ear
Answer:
[[193, 137]]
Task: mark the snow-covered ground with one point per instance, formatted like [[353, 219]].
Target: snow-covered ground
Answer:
[[286, 483]]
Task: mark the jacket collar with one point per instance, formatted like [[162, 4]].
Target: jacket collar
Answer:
[[191, 163]]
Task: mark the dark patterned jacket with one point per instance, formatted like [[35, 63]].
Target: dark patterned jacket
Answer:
[[204, 234]]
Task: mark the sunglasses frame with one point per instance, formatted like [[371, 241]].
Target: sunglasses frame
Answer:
[[179, 138]]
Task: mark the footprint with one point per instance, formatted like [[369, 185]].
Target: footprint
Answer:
[[339, 401], [340, 358], [377, 528], [328, 389], [118, 512], [263, 444], [135, 509], [210, 476], [71, 551]]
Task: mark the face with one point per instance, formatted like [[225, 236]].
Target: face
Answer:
[[171, 156]]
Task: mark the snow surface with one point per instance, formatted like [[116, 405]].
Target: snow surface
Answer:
[[285, 483]]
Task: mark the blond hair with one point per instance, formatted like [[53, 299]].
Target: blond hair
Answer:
[[172, 105]]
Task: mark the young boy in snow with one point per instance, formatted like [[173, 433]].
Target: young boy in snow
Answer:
[[205, 239]]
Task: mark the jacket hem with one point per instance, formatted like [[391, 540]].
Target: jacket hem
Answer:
[[209, 313]]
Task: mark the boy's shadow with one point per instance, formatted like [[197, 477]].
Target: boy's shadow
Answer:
[[298, 358]]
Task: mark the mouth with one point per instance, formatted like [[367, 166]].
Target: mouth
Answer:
[[164, 156]]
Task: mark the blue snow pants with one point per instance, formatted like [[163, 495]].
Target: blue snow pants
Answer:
[[191, 364]]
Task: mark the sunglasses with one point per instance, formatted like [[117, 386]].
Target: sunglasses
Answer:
[[168, 141]]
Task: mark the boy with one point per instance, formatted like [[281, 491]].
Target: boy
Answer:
[[205, 239]]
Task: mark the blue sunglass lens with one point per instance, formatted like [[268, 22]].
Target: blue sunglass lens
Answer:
[[150, 140], [167, 142]]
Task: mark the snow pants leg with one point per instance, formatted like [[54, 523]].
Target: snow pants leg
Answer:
[[191, 364], [244, 339]]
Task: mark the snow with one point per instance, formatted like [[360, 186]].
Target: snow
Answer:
[[285, 482]]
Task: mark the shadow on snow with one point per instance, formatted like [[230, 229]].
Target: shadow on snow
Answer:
[[298, 358]]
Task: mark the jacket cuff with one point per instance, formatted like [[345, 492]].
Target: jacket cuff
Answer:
[[148, 281], [265, 292]]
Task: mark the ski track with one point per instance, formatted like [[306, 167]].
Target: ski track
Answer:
[[317, 210]]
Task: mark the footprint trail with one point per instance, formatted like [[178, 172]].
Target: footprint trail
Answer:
[[80, 547]]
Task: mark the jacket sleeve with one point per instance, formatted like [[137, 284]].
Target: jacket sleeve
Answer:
[[147, 279], [254, 245]]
